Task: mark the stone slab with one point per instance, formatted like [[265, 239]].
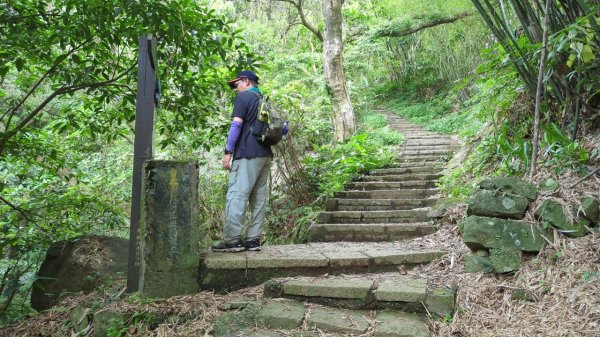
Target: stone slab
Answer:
[[333, 288], [497, 204], [403, 290], [281, 315], [347, 258], [396, 324], [505, 260], [225, 260], [292, 257], [484, 232], [441, 301], [475, 264], [338, 320], [510, 185], [392, 256]]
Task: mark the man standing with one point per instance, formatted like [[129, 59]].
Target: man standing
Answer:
[[249, 163]]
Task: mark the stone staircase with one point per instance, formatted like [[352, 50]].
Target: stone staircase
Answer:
[[350, 266]]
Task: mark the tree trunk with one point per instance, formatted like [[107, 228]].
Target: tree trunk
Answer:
[[344, 124]]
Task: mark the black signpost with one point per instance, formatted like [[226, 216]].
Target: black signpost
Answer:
[[146, 101]]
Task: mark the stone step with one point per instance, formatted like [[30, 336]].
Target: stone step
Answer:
[[416, 164], [227, 271], [278, 317], [401, 177], [376, 232], [388, 185], [425, 152], [377, 204], [363, 217], [427, 147], [430, 142], [383, 291], [388, 194], [409, 168], [419, 135], [442, 159]]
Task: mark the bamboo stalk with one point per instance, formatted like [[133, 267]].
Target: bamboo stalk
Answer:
[[538, 94]]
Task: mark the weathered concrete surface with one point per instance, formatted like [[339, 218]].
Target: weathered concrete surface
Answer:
[[510, 185], [497, 204], [338, 320], [341, 288], [404, 290], [369, 232], [169, 232], [220, 271], [394, 324], [483, 232], [79, 265], [281, 315]]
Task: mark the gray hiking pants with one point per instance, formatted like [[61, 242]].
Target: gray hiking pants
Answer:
[[248, 182]]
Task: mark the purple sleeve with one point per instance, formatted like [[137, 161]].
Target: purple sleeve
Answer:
[[234, 134]]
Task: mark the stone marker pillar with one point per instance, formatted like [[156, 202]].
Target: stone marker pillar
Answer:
[[169, 233]]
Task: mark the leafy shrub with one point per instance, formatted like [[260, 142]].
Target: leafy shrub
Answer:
[[333, 166]]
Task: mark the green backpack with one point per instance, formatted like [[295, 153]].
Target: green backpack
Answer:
[[268, 127]]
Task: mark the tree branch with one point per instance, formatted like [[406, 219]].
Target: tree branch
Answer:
[[16, 208], [390, 32], [305, 22], [61, 91], [58, 61]]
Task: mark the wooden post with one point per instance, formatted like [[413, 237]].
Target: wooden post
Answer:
[[146, 100]]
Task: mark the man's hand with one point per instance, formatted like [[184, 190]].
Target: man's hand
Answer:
[[226, 162]]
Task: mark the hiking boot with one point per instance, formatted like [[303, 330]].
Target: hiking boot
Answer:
[[232, 246], [252, 244]]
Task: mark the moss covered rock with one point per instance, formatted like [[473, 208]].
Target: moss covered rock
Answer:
[[505, 260], [553, 213], [483, 232], [590, 209], [510, 185], [497, 204]]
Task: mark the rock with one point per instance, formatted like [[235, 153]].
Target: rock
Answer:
[[281, 315], [397, 324], [548, 185], [107, 322], [505, 260], [523, 295], [552, 212], [482, 252], [476, 264], [338, 320], [341, 288], [235, 305], [589, 209], [79, 265], [497, 204], [482, 232], [510, 185], [404, 290], [261, 333], [441, 301], [231, 323], [79, 318]]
